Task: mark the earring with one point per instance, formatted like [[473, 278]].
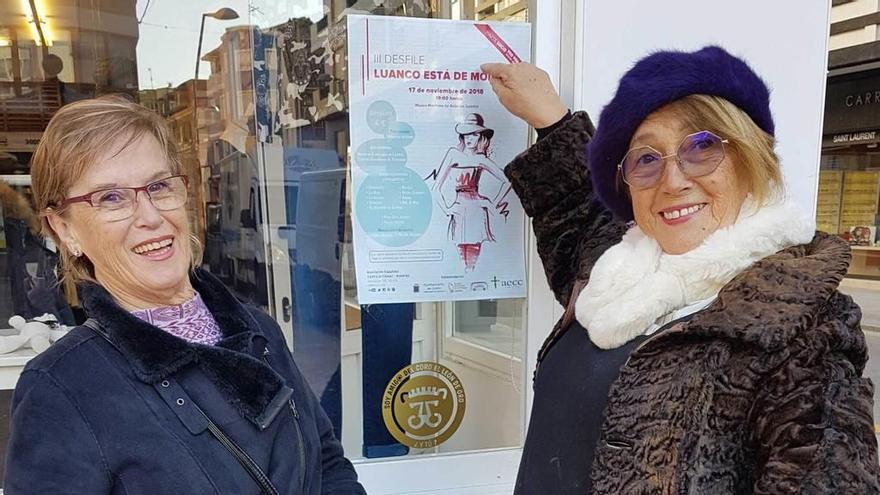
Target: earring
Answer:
[[75, 252]]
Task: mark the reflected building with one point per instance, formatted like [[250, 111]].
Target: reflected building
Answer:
[[187, 109], [155, 99], [234, 246], [497, 10], [266, 140], [56, 52]]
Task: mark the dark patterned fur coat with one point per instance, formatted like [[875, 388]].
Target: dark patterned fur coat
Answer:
[[762, 392]]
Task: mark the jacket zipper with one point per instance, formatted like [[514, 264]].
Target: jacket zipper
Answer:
[[301, 449], [241, 456]]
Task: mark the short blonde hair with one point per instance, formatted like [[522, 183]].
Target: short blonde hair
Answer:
[[79, 135], [757, 163]]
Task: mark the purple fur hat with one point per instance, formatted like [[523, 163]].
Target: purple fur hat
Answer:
[[654, 81]]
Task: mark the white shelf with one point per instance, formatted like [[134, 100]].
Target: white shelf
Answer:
[[11, 365], [17, 358]]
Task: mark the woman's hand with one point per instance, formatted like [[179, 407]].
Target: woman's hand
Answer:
[[526, 91]]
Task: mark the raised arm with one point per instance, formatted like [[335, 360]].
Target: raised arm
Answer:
[[492, 168], [551, 179], [442, 177]]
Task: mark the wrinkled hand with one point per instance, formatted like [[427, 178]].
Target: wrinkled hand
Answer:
[[526, 91]]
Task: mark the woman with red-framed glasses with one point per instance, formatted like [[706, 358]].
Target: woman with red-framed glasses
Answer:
[[172, 385]]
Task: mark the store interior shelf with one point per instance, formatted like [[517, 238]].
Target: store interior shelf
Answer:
[[17, 358], [11, 365]]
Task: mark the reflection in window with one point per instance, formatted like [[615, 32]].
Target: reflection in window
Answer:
[[263, 136], [847, 205]]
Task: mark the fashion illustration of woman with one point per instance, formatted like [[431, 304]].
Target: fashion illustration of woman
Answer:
[[470, 189]]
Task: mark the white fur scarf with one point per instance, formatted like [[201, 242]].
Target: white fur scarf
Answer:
[[633, 283]]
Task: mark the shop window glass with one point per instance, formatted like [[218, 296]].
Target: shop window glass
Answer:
[[81, 53], [848, 198], [272, 200], [847, 205]]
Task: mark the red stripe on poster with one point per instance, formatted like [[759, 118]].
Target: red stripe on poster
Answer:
[[368, 47], [493, 37], [363, 83]]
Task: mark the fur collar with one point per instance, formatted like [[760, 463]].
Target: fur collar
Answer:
[[233, 364], [633, 283]]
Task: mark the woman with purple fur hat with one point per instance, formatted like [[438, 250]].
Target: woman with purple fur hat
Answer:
[[705, 346]]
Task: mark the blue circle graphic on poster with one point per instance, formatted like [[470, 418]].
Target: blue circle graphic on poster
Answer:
[[400, 134], [380, 115], [394, 208]]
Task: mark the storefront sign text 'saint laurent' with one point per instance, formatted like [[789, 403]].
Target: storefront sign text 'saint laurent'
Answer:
[[854, 137]]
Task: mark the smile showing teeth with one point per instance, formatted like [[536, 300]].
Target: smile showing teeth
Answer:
[[153, 246], [672, 215]]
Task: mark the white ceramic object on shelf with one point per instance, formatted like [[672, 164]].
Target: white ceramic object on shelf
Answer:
[[37, 334]]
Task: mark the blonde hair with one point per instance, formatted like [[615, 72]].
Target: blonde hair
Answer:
[[78, 136], [757, 163]]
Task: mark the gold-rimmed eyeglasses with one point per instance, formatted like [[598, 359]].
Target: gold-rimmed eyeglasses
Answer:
[[698, 154]]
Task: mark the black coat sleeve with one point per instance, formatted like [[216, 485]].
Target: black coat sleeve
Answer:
[[571, 227]]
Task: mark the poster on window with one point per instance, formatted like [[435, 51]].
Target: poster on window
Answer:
[[434, 217]]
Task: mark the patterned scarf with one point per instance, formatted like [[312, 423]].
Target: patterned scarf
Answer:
[[191, 321]]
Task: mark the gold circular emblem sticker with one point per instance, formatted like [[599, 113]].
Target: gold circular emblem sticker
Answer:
[[423, 405]]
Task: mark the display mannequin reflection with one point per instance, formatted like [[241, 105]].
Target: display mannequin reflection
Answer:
[[470, 188]]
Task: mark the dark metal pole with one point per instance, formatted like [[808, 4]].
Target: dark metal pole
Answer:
[[199, 50], [38, 24]]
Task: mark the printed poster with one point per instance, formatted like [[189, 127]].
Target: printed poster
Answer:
[[434, 217]]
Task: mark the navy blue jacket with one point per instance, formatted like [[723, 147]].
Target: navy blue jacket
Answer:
[[135, 411]]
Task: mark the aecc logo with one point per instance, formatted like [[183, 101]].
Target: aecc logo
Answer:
[[497, 282]]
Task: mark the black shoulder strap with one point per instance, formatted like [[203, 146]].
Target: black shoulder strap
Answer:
[[96, 327], [562, 325]]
